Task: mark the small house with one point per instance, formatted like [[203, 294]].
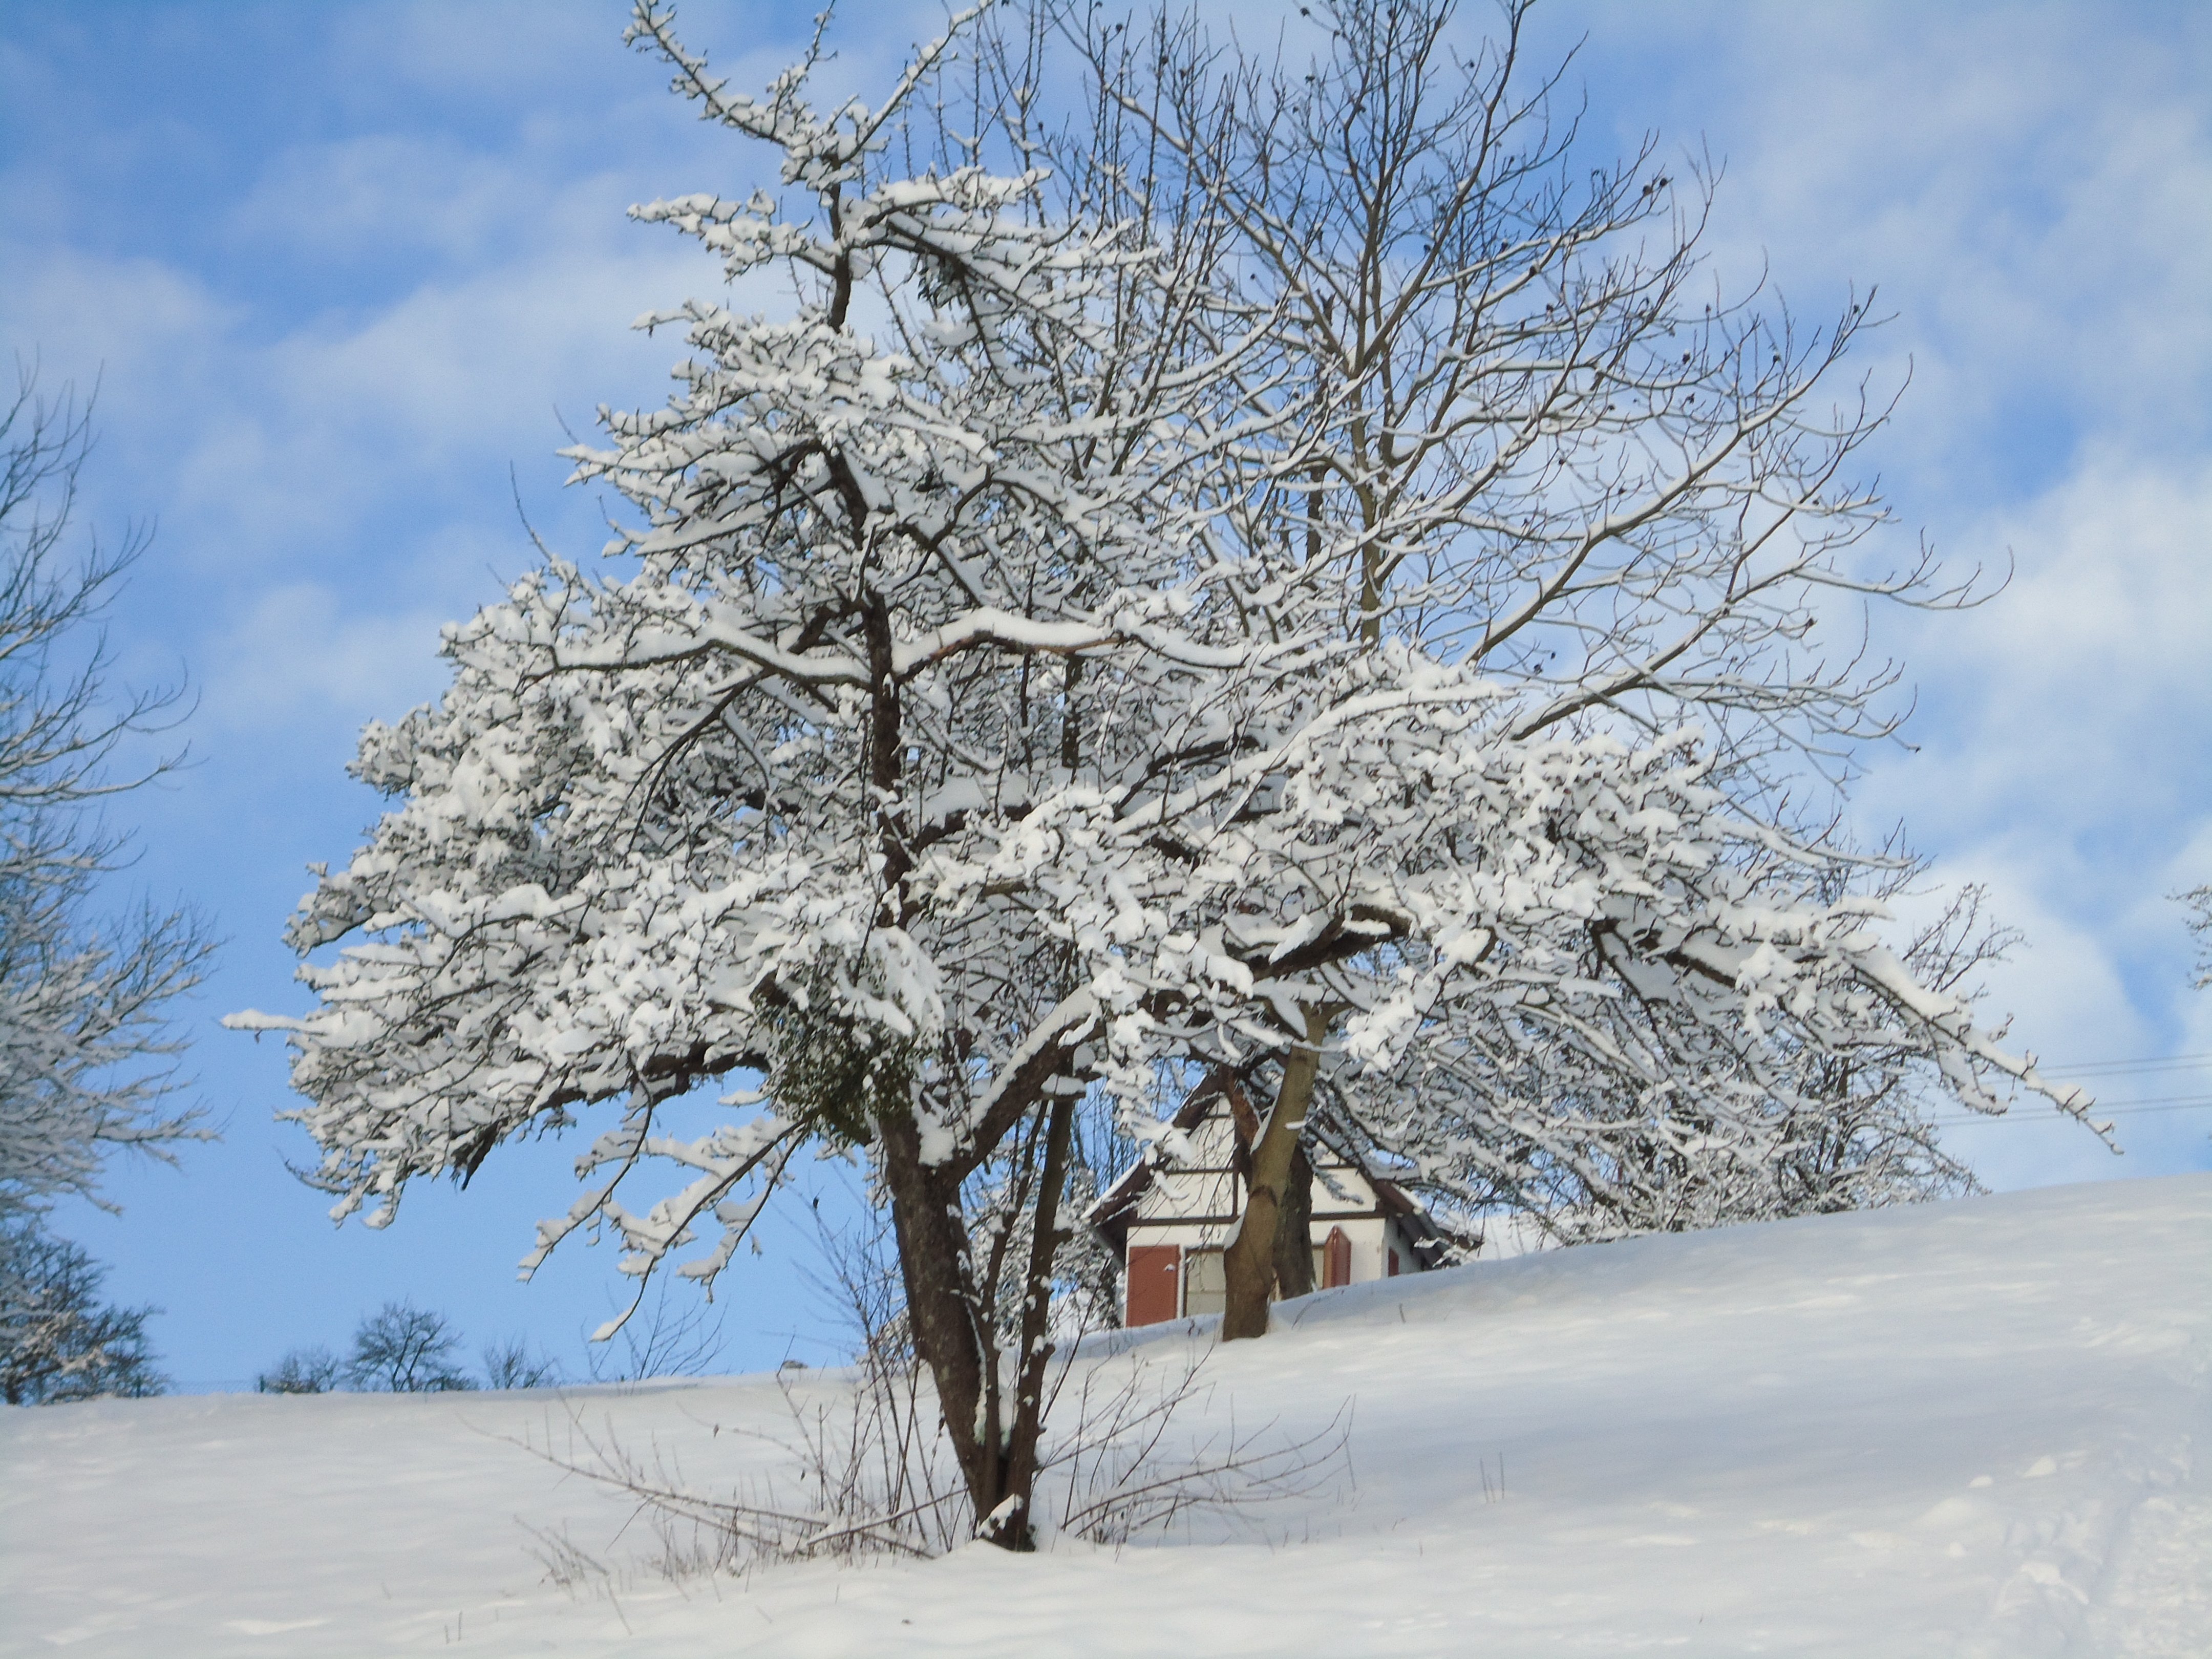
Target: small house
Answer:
[[1170, 1215]]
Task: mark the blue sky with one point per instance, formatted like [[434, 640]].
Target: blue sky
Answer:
[[341, 271]]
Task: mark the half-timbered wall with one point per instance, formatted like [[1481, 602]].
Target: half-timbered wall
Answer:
[[1189, 1210]]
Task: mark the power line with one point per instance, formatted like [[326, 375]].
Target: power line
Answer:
[[2132, 1109], [2198, 1099], [2147, 1063]]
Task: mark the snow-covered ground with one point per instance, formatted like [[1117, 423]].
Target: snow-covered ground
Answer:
[[1969, 1428]]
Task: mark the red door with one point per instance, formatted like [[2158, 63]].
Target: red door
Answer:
[[1155, 1290], [1336, 1260]]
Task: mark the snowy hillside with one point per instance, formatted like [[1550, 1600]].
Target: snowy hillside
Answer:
[[1964, 1429]]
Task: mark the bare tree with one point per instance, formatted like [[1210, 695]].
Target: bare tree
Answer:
[[404, 1349], [514, 1364], [311, 1370], [87, 1053]]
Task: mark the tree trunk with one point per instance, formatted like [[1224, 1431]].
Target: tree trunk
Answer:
[[1249, 1260], [1294, 1274], [941, 1305], [994, 1440], [1011, 1528]]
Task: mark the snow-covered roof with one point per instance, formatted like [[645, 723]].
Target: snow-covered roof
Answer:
[[1111, 1216]]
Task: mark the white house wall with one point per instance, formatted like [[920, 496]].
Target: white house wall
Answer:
[[1194, 1203]]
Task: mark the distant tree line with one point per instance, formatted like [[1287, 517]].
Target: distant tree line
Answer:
[[404, 1349]]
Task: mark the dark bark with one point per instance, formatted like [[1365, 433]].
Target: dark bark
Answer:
[[1013, 1529], [994, 1440], [942, 1306], [1249, 1260], [1294, 1229]]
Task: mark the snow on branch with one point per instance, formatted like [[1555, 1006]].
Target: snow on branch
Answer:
[[1210, 595]]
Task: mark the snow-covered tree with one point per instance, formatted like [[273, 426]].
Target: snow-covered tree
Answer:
[[1532, 440], [86, 1052], [58, 1342], [973, 733], [910, 557], [1600, 1114]]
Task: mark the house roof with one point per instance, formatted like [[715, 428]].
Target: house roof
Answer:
[[1111, 1215]]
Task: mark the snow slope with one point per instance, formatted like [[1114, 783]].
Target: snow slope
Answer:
[[1969, 1428]]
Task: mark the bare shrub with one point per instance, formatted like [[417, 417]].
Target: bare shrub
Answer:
[[566, 1565], [314, 1369], [1125, 1470], [864, 1469], [513, 1364], [667, 1341], [862, 1466]]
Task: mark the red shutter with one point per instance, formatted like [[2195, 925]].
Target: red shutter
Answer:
[[1155, 1291], [1394, 1264], [1338, 1253]]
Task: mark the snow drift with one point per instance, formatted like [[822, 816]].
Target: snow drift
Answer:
[[1960, 1428]]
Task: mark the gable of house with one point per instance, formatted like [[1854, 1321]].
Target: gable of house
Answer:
[[1170, 1216]]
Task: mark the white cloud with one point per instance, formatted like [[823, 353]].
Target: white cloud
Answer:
[[298, 657], [384, 194], [2035, 197], [2074, 700]]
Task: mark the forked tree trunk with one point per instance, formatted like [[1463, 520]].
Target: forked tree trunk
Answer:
[[995, 1440], [1249, 1262]]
